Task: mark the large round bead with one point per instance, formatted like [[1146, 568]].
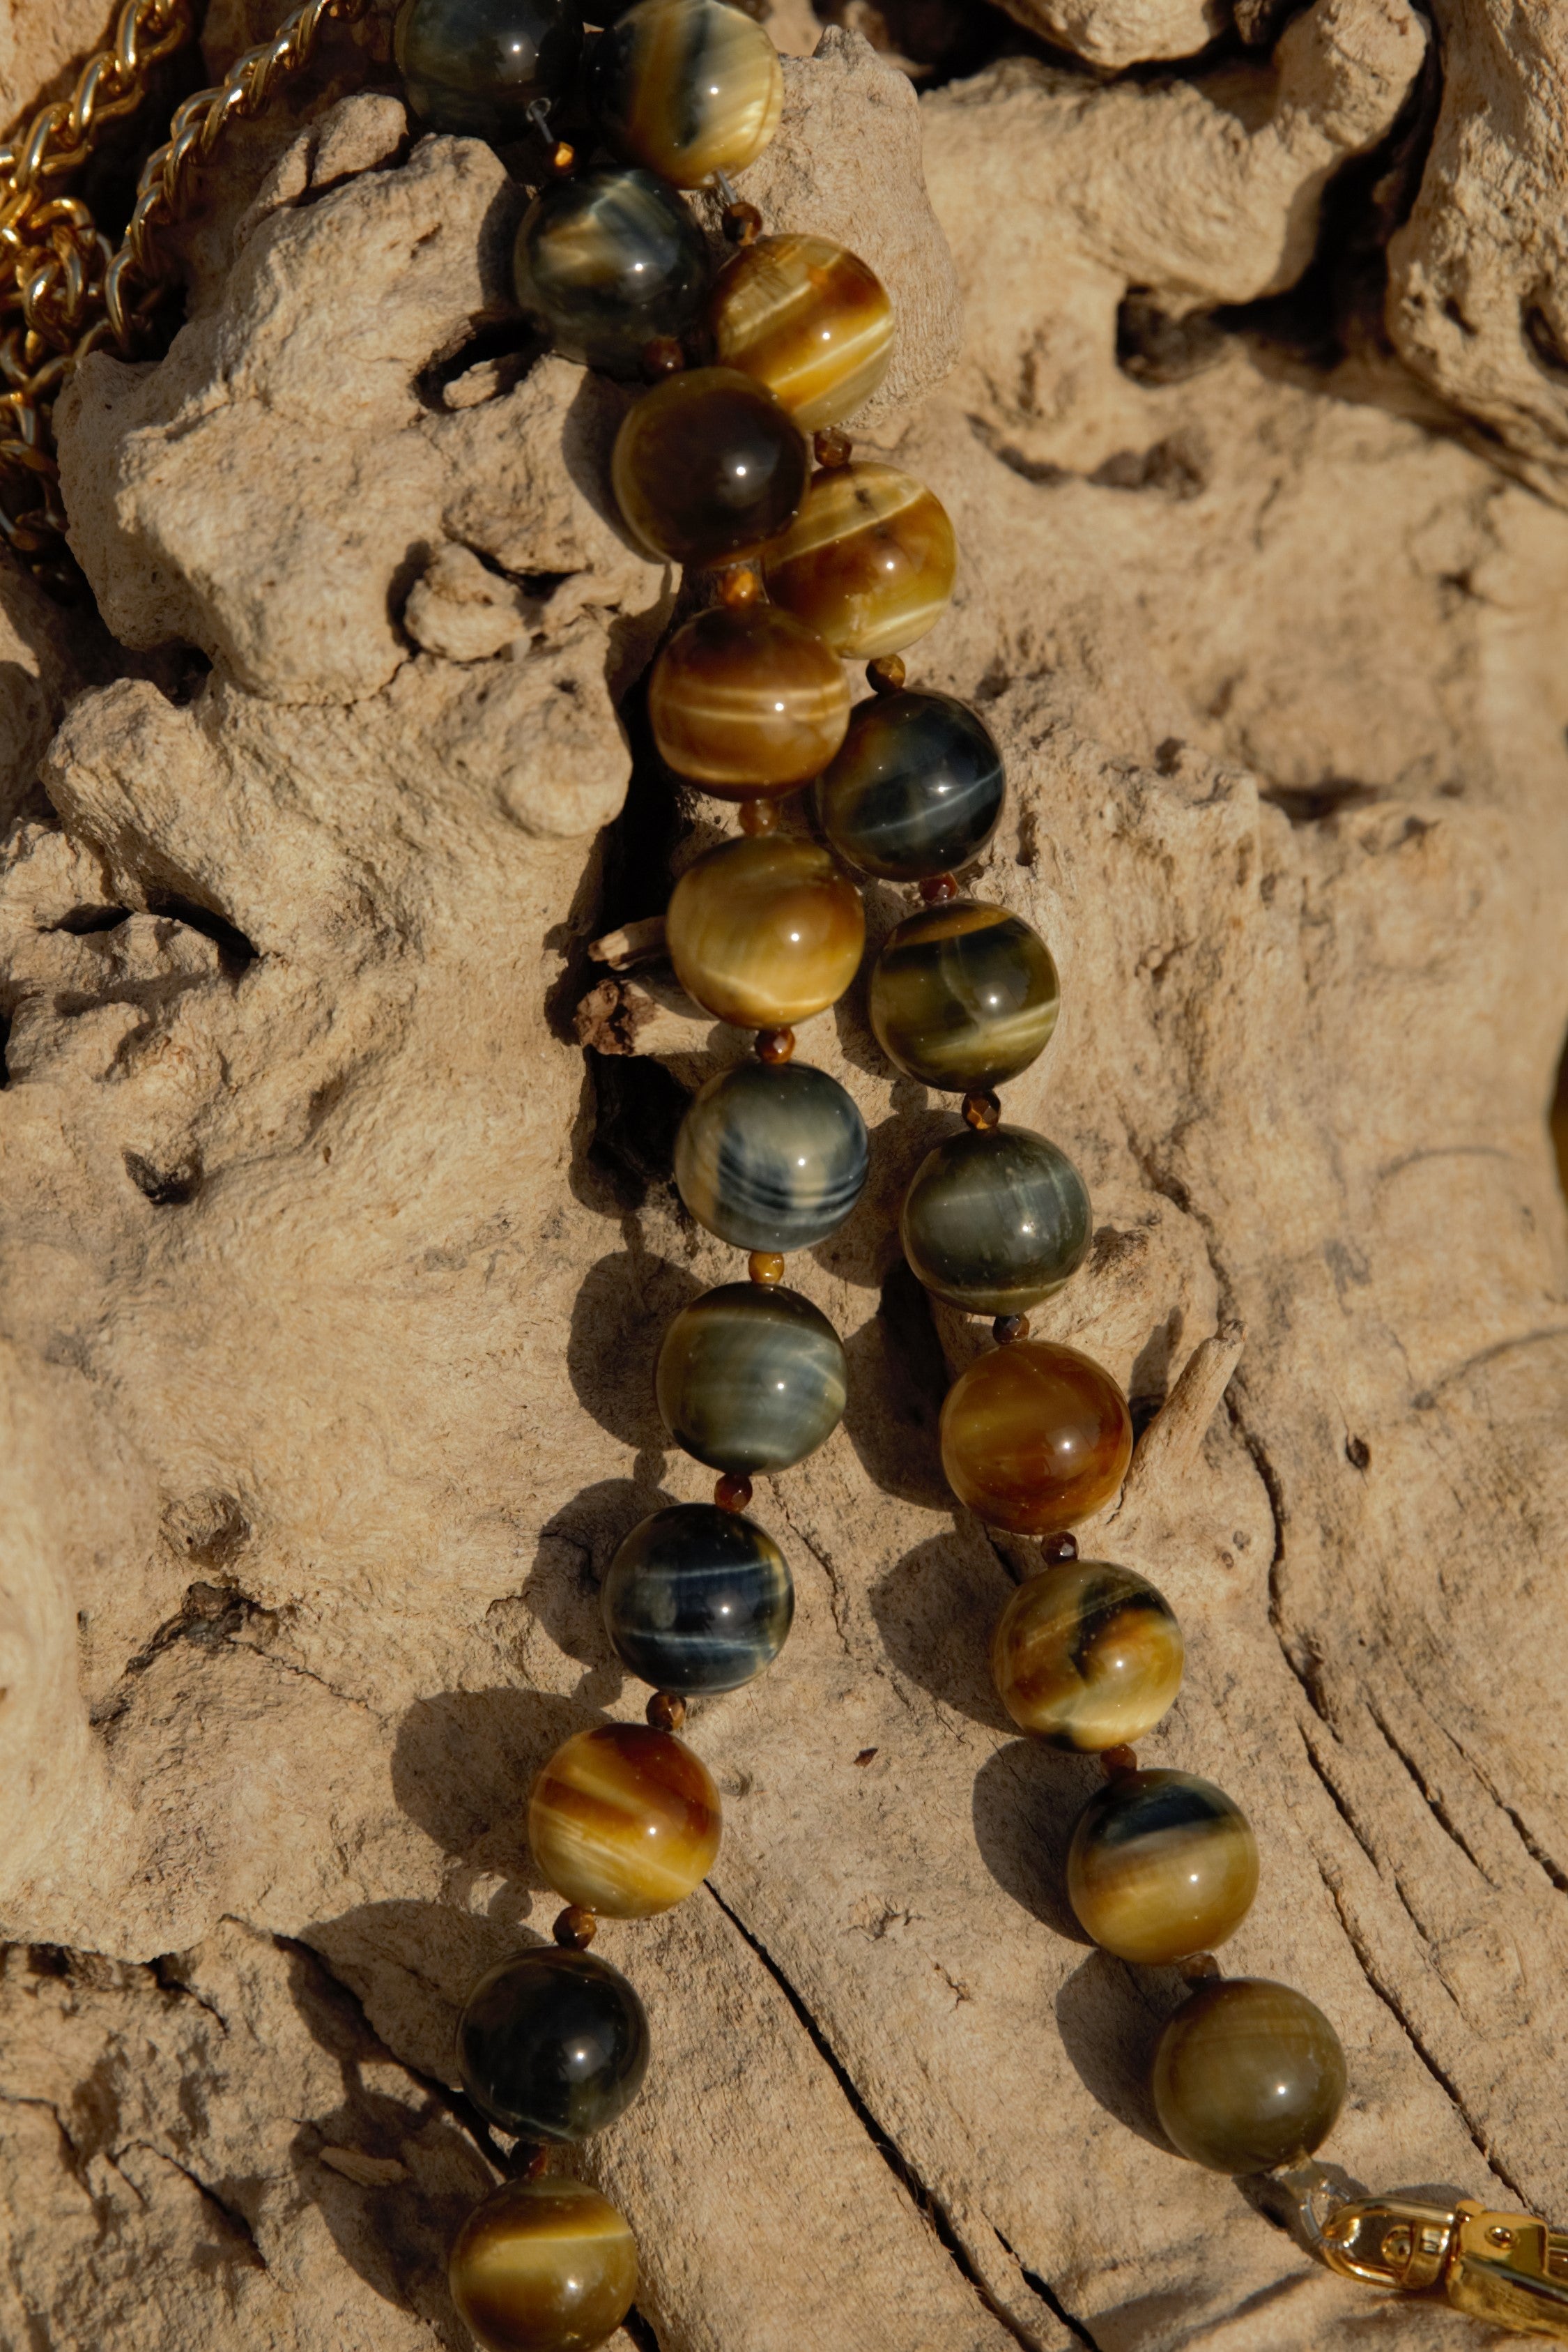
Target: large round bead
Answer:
[[624, 1820], [807, 319], [748, 702], [607, 261], [1087, 1655], [868, 562], [751, 1376], [917, 789], [474, 67], [698, 1599], [771, 1159], [765, 931], [994, 1220], [707, 466], [1035, 1437], [552, 2045], [964, 995], [1247, 2074], [544, 2265], [1162, 1864], [687, 87]]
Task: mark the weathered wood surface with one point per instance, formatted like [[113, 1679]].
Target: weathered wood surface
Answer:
[[332, 1272]]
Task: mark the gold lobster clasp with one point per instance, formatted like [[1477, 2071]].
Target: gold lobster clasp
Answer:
[[1508, 2268]]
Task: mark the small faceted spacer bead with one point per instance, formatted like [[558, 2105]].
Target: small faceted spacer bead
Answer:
[[1008, 1328], [1200, 1967], [759, 816], [886, 673], [1115, 1762], [665, 1711], [1059, 1548], [938, 888], [664, 356], [732, 1493], [532, 2165], [981, 1108], [562, 156], [575, 1928], [741, 585], [742, 224], [775, 1046], [831, 447], [765, 1265]]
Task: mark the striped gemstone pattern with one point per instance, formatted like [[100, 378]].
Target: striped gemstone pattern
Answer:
[[552, 2045], [624, 1820], [1162, 1864], [698, 1599], [747, 703], [1247, 2074], [545, 2266], [771, 1159], [809, 319], [750, 1378], [996, 1220], [474, 67], [687, 88], [916, 790], [868, 562], [1087, 1655], [964, 995], [606, 261], [1035, 1437], [707, 466], [765, 931]]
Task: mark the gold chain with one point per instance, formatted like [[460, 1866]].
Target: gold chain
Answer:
[[64, 290]]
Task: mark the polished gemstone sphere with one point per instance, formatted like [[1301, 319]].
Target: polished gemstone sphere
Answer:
[[552, 2045], [751, 1376], [771, 1159], [1035, 1437], [698, 1599], [708, 464], [964, 995], [476, 67], [868, 562], [1087, 1655], [1162, 1864], [916, 790], [810, 320], [606, 262], [994, 1220], [1249, 2075], [624, 1820], [544, 2265], [688, 87], [765, 931], [748, 702]]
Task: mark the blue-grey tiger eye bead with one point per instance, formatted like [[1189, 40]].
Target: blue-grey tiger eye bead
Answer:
[[697, 1599], [474, 67], [552, 2045], [750, 1378], [964, 996], [1249, 2075], [1162, 1864], [916, 790], [687, 88], [994, 1220], [771, 1159], [606, 262]]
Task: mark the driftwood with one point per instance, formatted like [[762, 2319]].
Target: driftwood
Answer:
[[333, 1269]]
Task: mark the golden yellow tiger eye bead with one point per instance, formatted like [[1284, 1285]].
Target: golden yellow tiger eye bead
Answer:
[[810, 320], [1035, 1437], [869, 560], [624, 1820], [545, 2266], [1161, 1864], [707, 466], [747, 700], [765, 931], [1087, 1655], [689, 88]]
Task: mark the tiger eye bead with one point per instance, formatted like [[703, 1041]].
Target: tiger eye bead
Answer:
[[1035, 1437], [624, 1820], [964, 996], [1161, 1864], [707, 466], [750, 1378], [771, 1159], [698, 1599], [868, 562], [609, 263], [1087, 1655], [994, 1220], [810, 320], [765, 931], [916, 790], [747, 700], [552, 2045], [1247, 2074], [546, 2265], [474, 67], [688, 87]]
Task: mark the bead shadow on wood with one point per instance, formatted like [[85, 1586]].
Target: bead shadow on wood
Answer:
[[933, 1611], [1026, 1804], [462, 1764], [563, 1592], [1110, 2018], [897, 1380], [618, 1321]]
